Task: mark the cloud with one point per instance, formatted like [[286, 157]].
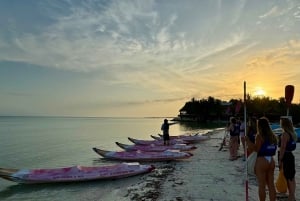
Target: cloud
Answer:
[[271, 13], [281, 58], [239, 11], [222, 47], [93, 36], [244, 48]]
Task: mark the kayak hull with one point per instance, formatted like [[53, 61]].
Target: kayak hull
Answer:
[[189, 139], [156, 148], [140, 156], [156, 141], [74, 173]]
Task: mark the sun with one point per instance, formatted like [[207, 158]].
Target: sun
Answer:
[[259, 92]]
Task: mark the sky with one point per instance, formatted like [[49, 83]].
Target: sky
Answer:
[[143, 58]]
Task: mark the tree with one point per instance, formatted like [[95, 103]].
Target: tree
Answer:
[[211, 109]]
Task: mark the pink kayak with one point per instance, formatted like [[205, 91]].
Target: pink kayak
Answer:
[[156, 142], [156, 148], [142, 156], [186, 138], [74, 173], [173, 136]]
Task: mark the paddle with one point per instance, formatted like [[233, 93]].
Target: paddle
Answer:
[[289, 94], [246, 156]]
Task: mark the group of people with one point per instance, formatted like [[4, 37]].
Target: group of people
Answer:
[[257, 136], [260, 138]]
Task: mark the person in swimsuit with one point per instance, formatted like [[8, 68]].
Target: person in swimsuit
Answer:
[[234, 131], [265, 146], [286, 159], [242, 135], [251, 133]]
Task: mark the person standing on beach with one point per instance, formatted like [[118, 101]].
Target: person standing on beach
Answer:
[[286, 159], [234, 131], [251, 133], [265, 146], [165, 128], [242, 135]]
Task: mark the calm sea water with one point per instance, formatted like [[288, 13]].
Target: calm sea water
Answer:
[[49, 142]]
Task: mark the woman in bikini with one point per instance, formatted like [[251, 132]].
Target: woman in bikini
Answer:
[[234, 131], [286, 159], [265, 146]]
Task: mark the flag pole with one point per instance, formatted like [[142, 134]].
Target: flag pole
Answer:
[[245, 151]]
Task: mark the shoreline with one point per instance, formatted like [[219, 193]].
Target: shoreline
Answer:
[[208, 175]]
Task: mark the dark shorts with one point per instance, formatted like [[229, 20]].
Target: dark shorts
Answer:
[[289, 165], [166, 137]]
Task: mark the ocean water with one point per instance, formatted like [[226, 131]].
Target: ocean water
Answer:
[[50, 142]]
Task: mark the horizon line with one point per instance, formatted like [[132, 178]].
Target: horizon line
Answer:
[[66, 116]]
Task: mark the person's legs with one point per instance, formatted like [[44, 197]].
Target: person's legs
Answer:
[[291, 187], [289, 173], [231, 148], [236, 146], [243, 143], [260, 171], [167, 139], [270, 181]]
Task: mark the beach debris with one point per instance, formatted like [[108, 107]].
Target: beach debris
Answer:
[[178, 182], [149, 187], [282, 197]]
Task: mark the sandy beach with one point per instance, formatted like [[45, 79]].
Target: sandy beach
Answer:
[[208, 175]]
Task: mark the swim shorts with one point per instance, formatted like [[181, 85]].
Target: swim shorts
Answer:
[[289, 165], [166, 137]]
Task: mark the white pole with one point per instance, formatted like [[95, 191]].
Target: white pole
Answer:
[[246, 155]]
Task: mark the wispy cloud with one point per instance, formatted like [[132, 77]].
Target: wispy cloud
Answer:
[[226, 45], [271, 13]]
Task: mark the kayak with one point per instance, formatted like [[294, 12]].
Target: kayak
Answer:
[[141, 156], [190, 139], [74, 173], [156, 142], [156, 148], [175, 136]]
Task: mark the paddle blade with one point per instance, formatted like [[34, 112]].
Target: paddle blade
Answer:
[[281, 184], [289, 94]]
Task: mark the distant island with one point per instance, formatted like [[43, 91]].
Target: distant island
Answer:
[[212, 110]]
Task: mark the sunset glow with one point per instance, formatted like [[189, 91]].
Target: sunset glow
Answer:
[[259, 92]]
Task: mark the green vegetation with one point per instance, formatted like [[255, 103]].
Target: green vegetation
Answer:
[[211, 109]]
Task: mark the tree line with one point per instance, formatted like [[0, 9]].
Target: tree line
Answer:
[[212, 109]]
